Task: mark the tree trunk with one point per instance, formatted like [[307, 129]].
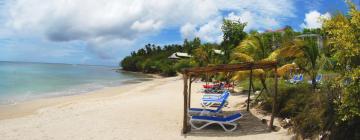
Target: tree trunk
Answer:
[[313, 80]]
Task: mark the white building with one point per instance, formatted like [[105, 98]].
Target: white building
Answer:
[[179, 55]]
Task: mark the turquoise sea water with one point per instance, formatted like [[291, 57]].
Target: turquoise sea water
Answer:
[[26, 81]]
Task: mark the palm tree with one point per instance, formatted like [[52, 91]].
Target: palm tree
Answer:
[[305, 53], [311, 53], [204, 55], [252, 48]]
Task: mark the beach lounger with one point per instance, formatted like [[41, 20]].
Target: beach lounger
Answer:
[[292, 81], [212, 101], [214, 89], [317, 79], [204, 111], [300, 79], [297, 79], [214, 96], [222, 121]]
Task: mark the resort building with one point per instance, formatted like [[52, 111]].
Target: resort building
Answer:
[[179, 55], [220, 52]]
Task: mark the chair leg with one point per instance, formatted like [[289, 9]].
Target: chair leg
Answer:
[[199, 127], [234, 125]]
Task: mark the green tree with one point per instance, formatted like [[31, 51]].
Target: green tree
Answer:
[[190, 46], [204, 54], [343, 33], [233, 34], [254, 46], [311, 54]]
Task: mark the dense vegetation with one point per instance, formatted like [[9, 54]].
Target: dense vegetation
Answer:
[[330, 109], [154, 59]]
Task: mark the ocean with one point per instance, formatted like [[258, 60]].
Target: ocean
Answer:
[[23, 81]]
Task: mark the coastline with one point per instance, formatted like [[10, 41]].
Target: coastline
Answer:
[[146, 110], [29, 107]]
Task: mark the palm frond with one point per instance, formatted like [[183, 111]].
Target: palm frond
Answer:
[[293, 50], [285, 68], [242, 75], [241, 57]]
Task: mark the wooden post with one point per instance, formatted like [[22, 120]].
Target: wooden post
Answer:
[[250, 85], [233, 85], [207, 78], [185, 121], [189, 98], [274, 106]]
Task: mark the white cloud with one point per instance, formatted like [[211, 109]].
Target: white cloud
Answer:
[[104, 20], [255, 21], [103, 24], [258, 14], [148, 25], [313, 19], [209, 32], [63, 20], [188, 31]]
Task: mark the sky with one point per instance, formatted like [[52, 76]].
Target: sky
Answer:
[[102, 32]]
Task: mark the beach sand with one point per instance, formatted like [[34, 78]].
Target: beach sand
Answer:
[[144, 111]]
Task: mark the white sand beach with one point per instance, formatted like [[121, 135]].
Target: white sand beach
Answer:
[[144, 111]]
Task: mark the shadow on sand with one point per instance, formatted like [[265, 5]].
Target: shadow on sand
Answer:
[[247, 125]]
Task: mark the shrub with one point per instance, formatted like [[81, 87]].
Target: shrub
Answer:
[[298, 103], [310, 121], [290, 99], [167, 70], [184, 63], [150, 66], [312, 113]]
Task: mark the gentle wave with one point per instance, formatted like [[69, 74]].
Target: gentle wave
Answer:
[[28, 81], [80, 89]]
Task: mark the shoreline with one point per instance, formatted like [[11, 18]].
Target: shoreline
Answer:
[[29, 107], [126, 112], [153, 75]]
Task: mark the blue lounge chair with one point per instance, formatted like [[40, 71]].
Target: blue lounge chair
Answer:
[[203, 111], [295, 78], [317, 79], [222, 121], [215, 100], [214, 96], [299, 79]]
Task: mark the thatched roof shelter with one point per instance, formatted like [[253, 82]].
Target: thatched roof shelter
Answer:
[[194, 72]]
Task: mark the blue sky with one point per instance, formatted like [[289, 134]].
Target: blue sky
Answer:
[[102, 32]]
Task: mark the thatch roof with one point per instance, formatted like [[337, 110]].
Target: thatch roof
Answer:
[[231, 67]]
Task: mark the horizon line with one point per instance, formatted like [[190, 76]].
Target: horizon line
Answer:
[[55, 63]]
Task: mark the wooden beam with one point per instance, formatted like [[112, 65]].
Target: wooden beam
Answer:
[[185, 119], [250, 85], [231, 67], [274, 105]]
